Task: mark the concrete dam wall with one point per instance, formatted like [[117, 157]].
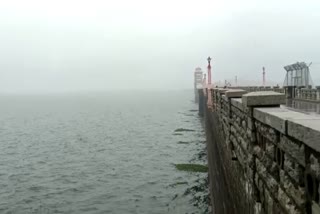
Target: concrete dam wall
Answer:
[[262, 157]]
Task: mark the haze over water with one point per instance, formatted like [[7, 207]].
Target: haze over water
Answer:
[[99, 153]]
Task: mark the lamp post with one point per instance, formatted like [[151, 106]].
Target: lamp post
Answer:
[[209, 103], [209, 70]]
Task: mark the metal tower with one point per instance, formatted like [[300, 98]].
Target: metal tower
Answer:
[[298, 76]]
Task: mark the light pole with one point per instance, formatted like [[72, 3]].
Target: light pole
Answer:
[[209, 70], [209, 103]]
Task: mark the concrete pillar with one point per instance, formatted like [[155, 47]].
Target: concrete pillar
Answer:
[[308, 94], [318, 92], [299, 93], [314, 94], [201, 102], [303, 93]]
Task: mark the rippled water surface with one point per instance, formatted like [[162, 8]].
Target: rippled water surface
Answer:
[[99, 153]]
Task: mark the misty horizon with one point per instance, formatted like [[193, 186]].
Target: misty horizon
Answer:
[[70, 46]]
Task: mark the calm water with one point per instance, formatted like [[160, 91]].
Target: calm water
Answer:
[[100, 153]]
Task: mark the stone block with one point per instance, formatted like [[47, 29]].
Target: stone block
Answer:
[[297, 193], [293, 169], [315, 165], [306, 131], [269, 202], [287, 203], [263, 98], [295, 149], [233, 93], [315, 207], [222, 90]]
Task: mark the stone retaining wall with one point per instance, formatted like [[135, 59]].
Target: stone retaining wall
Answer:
[[262, 158]]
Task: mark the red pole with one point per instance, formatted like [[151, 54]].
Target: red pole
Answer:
[[209, 103]]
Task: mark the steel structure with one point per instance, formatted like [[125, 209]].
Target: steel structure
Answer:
[[298, 75]]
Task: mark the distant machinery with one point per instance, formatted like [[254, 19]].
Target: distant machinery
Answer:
[[227, 83], [298, 76], [209, 103]]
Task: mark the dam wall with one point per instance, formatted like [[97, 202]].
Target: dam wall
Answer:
[[262, 158]]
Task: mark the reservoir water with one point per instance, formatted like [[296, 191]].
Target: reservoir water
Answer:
[[94, 153]]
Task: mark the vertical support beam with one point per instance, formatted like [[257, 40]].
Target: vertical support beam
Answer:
[[209, 103], [201, 102]]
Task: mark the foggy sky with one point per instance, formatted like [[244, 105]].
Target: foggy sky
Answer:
[[80, 45]]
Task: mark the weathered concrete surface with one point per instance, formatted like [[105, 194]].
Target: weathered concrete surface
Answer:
[[237, 103], [222, 90], [306, 130], [262, 159], [263, 98], [235, 93], [277, 117]]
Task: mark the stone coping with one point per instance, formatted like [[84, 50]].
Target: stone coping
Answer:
[[277, 117], [263, 98], [300, 126], [235, 93]]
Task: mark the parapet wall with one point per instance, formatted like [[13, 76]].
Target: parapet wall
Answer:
[[262, 158], [307, 94], [259, 88]]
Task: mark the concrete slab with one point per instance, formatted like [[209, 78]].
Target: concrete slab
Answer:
[[235, 93], [263, 98], [306, 131], [222, 90], [237, 102], [276, 117]]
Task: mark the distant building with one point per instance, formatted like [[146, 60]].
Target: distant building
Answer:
[[198, 81], [198, 78]]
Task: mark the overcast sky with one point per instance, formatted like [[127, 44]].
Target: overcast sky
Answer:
[[77, 45]]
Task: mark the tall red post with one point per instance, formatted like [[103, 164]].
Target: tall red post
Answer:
[[210, 105]]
